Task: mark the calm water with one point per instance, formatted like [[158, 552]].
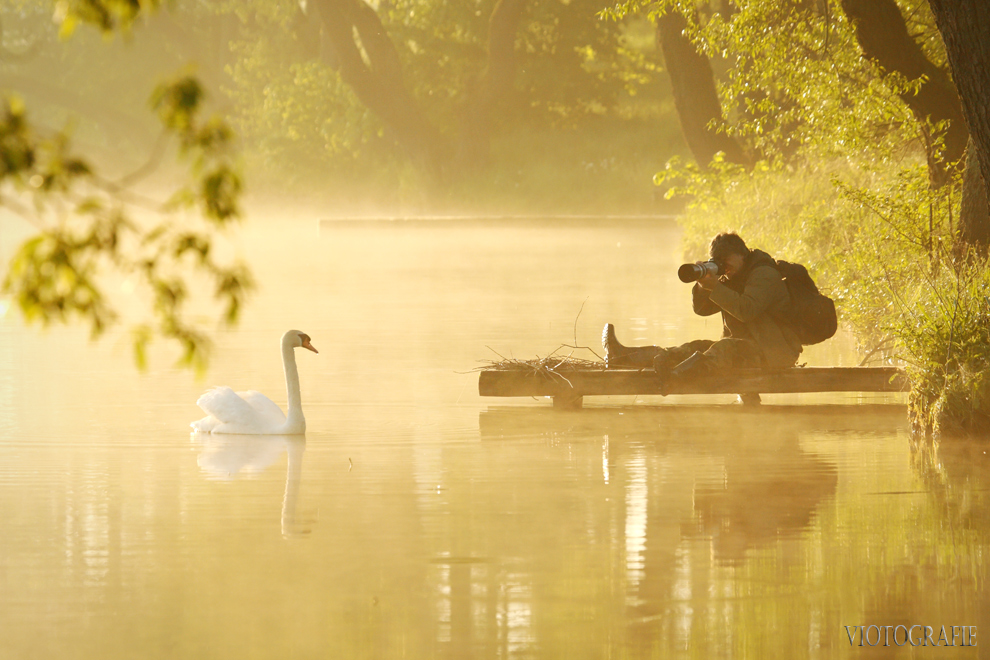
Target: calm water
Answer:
[[417, 520]]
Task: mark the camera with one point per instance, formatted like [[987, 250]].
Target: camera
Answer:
[[694, 272]]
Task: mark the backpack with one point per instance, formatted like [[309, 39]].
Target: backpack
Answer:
[[812, 314]]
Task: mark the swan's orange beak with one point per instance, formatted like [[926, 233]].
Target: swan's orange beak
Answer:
[[306, 344]]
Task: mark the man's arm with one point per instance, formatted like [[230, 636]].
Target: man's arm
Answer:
[[702, 302], [763, 288]]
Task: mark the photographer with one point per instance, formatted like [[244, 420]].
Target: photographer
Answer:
[[749, 292]]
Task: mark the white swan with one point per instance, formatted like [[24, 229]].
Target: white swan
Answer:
[[253, 413]]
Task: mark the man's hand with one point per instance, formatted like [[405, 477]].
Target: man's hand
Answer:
[[708, 281]]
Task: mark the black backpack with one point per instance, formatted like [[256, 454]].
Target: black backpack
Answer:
[[812, 314]]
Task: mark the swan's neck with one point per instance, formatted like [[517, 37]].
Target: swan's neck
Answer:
[[295, 422]]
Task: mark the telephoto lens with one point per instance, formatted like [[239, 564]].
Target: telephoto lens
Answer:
[[694, 272]]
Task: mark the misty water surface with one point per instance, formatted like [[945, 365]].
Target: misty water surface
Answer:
[[417, 520]]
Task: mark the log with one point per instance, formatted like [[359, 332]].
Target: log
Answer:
[[571, 385]]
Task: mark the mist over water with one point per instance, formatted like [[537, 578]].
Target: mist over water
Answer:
[[418, 520]]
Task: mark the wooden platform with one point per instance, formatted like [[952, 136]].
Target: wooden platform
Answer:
[[568, 388]]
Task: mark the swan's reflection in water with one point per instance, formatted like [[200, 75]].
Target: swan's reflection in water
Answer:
[[227, 457]]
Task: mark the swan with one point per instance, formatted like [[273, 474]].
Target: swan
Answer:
[[253, 413]]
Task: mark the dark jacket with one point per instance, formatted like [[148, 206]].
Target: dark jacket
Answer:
[[751, 303]]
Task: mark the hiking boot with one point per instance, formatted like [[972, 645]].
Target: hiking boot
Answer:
[[618, 356], [614, 351]]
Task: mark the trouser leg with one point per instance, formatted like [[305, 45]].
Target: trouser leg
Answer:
[[731, 353], [667, 358], [618, 356], [632, 357], [724, 354]]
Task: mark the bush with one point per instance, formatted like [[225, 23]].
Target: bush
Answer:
[[945, 338]]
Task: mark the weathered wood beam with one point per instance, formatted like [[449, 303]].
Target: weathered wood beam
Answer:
[[573, 384]]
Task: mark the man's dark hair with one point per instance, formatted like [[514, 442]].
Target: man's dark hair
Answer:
[[725, 244]]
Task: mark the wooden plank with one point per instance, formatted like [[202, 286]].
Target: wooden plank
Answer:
[[743, 381], [445, 221]]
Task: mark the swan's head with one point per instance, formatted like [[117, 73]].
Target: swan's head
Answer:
[[296, 339]]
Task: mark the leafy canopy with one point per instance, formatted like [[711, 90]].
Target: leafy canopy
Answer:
[[88, 227]]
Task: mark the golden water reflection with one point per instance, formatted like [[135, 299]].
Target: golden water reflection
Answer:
[[416, 520], [695, 531], [227, 457]]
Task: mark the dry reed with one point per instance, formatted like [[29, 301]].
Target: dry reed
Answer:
[[551, 367]]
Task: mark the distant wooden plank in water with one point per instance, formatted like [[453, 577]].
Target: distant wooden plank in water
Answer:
[[651, 221], [572, 385]]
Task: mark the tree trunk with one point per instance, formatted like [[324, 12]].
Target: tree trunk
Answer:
[[494, 84], [974, 216], [965, 28], [695, 96], [356, 32], [883, 35]]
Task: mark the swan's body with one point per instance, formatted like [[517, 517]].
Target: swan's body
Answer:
[[251, 412]]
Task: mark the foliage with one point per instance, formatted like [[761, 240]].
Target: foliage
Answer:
[[107, 15], [293, 112], [794, 84], [946, 339], [301, 122], [908, 290], [90, 227], [303, 131], [570, 63]]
